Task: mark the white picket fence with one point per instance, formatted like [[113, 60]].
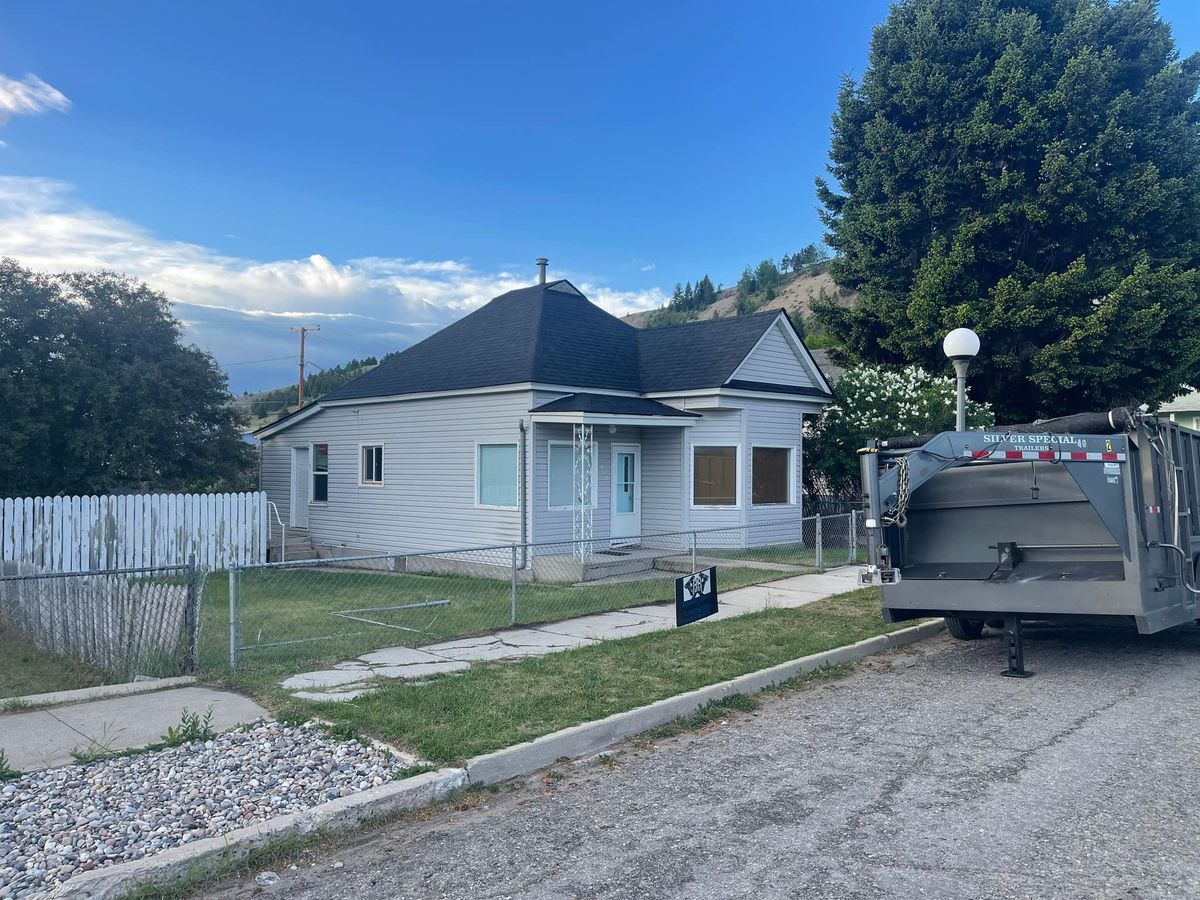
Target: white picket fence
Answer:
[[81, 534]]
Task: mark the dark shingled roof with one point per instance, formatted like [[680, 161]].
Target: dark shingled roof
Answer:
[[697, 354], [552, 334], [548, 333], [613, 405]]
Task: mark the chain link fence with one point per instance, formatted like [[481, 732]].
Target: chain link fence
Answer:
[[317, 612], [120, 623]]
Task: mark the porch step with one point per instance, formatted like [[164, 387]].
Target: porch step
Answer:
[[596, 568], [298, 545]]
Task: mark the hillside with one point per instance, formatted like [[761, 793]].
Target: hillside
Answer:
[[795, 294], [262, 407]]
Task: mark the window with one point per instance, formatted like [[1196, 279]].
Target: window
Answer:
[[771, 475], [561, 475], [370, 464], [496, 475], [320, 473], [714, 476]]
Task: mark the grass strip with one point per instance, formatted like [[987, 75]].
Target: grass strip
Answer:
[[497, 704], [25, 670]]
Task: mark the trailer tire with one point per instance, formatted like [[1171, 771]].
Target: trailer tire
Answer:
[[964, 629]]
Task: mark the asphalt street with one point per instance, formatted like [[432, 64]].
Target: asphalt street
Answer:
[[923, 774]]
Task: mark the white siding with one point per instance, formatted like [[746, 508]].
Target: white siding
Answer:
[[775, 361], [427, 500], [772, 423], [662, 479]]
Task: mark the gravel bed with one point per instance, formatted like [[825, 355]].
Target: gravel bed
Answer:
[[57, 823]]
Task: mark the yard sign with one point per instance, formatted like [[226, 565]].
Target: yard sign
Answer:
[[695, 596]]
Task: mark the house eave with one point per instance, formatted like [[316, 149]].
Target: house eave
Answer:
[[581, 418]]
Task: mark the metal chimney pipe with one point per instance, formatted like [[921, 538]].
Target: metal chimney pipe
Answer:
[[542, 262]]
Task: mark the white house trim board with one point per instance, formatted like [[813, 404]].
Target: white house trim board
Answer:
[[577, 418], [268, 430], [720, 398]]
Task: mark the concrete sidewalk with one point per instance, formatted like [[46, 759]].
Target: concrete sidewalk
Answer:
[[44, 738], [350, 679]]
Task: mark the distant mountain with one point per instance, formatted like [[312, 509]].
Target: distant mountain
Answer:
[[794, 293]]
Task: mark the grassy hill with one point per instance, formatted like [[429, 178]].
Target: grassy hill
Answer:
[[795, 294], [263, 407]]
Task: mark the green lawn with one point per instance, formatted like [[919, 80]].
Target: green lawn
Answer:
[[299, 604], [24, 669], [783, 554], [494, 705]]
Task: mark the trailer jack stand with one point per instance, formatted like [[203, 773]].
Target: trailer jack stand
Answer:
[[1016, 647]]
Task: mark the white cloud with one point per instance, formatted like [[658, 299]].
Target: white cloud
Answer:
[[372, 299], [29, 97], [3, 145], [648, 267]]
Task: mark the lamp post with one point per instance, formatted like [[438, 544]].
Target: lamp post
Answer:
[[961, 345]]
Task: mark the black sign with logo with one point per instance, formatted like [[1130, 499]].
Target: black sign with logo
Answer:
[[695, 596]]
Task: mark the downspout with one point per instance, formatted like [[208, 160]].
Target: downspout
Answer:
[[524, 512]]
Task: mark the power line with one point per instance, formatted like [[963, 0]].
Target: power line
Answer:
[[250, 362]]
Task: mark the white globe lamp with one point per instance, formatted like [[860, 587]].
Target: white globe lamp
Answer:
[[961, 346]]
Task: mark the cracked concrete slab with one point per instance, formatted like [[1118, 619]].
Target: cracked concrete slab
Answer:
[[399, 656], [325, 678], [517, 643]]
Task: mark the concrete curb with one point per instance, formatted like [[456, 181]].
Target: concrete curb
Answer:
[[101, 692], [592, 737], [345, 813], [203, 856]]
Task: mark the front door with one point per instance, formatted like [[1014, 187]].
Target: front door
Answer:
[[626, 491], [301, 479]]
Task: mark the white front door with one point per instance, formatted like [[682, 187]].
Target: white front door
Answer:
[[626, 491], [301, 479]]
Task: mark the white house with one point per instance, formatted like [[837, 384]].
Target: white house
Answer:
[[476, 436]]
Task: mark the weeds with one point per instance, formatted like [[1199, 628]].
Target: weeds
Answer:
[[7, 772], [191, 728]]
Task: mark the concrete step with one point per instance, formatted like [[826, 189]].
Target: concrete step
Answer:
[[617, 565]]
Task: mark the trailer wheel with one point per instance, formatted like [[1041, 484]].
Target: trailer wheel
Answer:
[[964, 629]]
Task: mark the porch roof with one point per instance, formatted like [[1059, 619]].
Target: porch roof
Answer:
[[607, 409]]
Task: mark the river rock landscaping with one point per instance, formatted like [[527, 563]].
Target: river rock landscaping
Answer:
[[57, 823]]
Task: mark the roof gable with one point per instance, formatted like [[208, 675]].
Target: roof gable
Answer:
[[697, 354], [780, 357]]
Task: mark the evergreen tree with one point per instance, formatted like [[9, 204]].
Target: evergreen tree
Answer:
[[1030, 169]]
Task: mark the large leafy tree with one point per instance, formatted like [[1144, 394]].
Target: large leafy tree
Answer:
[[1030, 169], [99, 395]]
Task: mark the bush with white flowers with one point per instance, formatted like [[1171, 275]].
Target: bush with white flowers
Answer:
[[873, 402]]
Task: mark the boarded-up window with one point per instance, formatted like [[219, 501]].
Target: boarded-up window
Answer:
[[714, 476], [770, 475], [320, 473]]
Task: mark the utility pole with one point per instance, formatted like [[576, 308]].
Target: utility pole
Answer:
[[302, 331]]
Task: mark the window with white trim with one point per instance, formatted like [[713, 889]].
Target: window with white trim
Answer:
[[370, 464], [714, 476], [560, 475], [771, 476], [496, 475], [320, 472]]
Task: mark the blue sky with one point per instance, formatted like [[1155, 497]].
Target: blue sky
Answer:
[[381, 168]]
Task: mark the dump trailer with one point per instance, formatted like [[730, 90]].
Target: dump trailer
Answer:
[[1084, 516]]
